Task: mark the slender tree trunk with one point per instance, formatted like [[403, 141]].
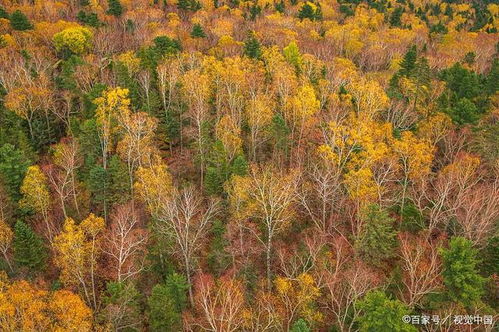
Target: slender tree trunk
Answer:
[[92, 274], [75, 199], [188, 277], [268, 252], [8, 261]]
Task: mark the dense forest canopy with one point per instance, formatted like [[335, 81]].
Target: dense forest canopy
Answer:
[[263, 165]]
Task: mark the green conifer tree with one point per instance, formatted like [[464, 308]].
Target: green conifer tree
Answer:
[[381, 314], [13, 166], [395, 17], [378, 238], [460, 273], [197, 31], [252, 47], [19, 21], [114, 8], [166, 304], [28, 247], [3, 13], [408, 63]]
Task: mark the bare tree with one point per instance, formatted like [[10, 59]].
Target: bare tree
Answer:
[[266, 195], [344, 289], [125, 242], [184, 219], [320, 194], [343, 282], [221, 303], [479, 212], [421, 267]]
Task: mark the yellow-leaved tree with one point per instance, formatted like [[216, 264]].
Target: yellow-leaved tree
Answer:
[[23, 307], [267, 196], [113, 105], [298, 296], [36, 195], [259, 114], [76, 255], [153, 185], [229, 134], [415, 157], [77, 40], [136, 146], [302, 108]]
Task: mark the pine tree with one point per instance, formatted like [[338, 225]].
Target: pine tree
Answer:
[[192, 5], [409, 61], [311, 11], [13, 166], [460, 273], [255, 10], [166, 304], [381, 314], [164, 45], [378, 239], [300, 326], [218, 258], [183, 4], [28, 247], [3, 13], [197, 31], [19, 21], [252, 47], [219, 169], [395, 17], [280, 6], [114, 8]]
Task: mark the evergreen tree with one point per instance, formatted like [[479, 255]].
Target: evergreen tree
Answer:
[[492, 79], [28, 247], [166, 304], [252, 47], [97, 183], [408, 63], [381, 314], [311, 11], [255, 10], [218, 258], [219, 169], [114, 8], [280, 6], [119, 181], [464, 112], [378, 238], [90, 19], [165, 45], [197, 31], [300, 326], [19, 21], [395, 17], [280, 134], [191, 5], [13, 166], [183, 4], [3, 13], [460, 272]]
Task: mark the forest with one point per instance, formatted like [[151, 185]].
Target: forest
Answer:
[[249, 165]]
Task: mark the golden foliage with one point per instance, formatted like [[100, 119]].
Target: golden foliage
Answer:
[[26, 308]]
